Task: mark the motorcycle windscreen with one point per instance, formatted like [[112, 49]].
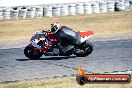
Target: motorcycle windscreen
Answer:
[[37, 36]]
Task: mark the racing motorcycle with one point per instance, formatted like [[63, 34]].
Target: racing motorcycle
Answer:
[[48, 44]]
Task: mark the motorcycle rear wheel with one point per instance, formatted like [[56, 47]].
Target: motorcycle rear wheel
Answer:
[[28, 51], [87, 49]]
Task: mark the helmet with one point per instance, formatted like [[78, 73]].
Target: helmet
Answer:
[[55, 27]]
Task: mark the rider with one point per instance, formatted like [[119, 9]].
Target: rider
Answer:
[[65, 35]]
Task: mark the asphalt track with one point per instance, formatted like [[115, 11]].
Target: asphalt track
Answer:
[[109, 56]]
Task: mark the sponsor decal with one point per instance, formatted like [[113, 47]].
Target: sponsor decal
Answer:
[[82, 77]]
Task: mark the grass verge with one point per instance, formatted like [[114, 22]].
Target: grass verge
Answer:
[[103, 25], [67, 82]]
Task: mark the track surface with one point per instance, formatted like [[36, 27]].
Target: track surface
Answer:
[[108, 56]]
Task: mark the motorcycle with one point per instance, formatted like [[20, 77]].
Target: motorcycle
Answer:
[[48, 44]]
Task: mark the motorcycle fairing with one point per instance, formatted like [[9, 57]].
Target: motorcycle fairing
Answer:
[[48, 42], [53, 39], [85, 35]]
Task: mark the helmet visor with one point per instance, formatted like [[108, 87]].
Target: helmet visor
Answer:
[[54, 28]]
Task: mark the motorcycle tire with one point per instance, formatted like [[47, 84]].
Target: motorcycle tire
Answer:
[[32, 55], [87, 48]]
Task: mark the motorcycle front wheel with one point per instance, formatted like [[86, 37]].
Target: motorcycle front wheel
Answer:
[[31, 53]]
